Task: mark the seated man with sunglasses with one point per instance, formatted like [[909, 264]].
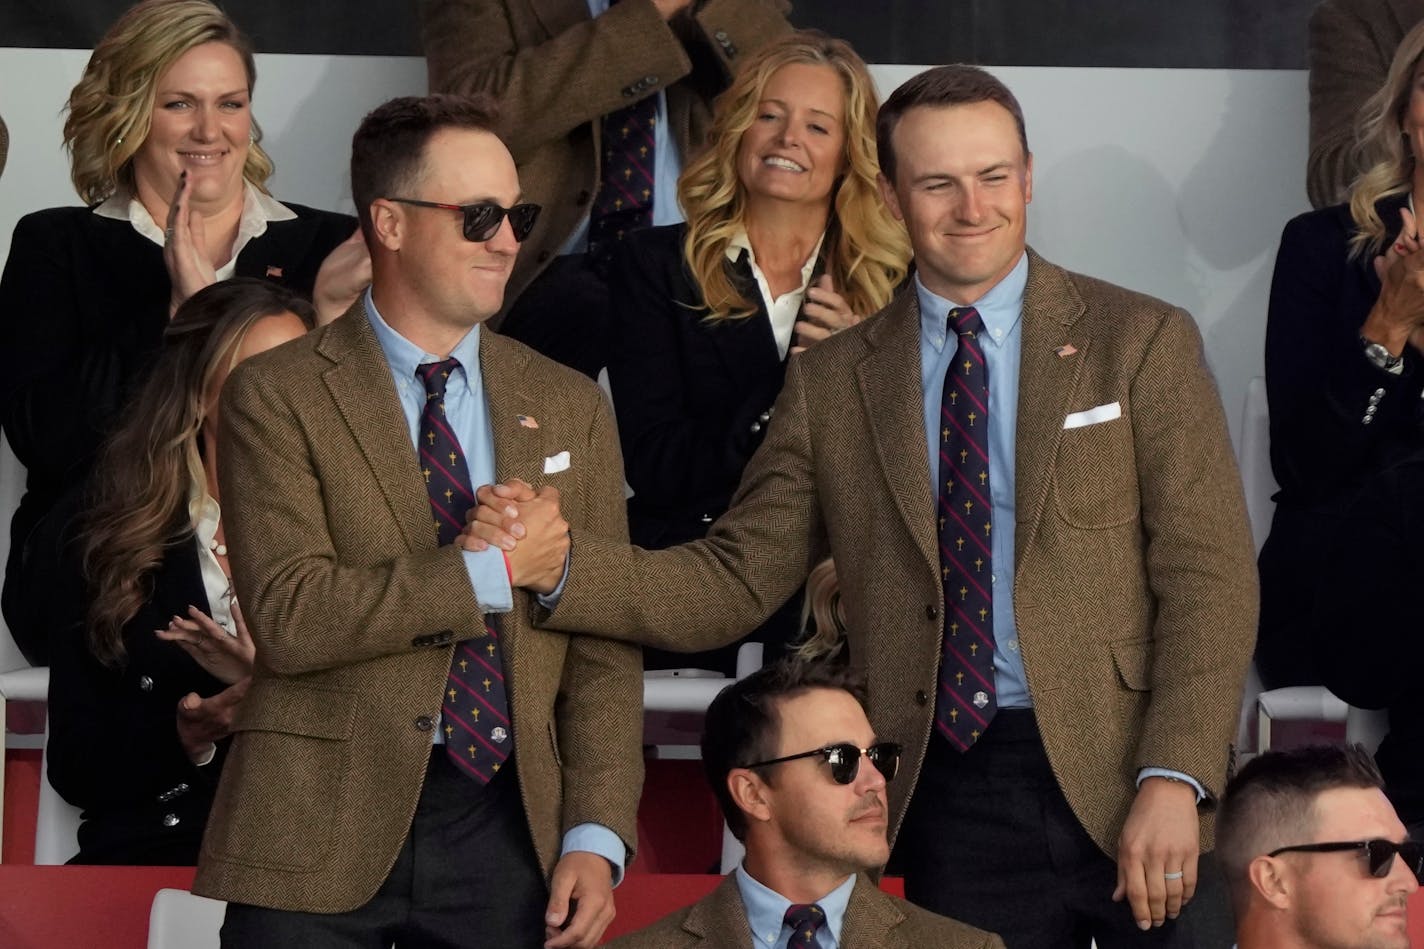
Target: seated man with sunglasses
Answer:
[[1314, 853], [414, 764], [801, 776]]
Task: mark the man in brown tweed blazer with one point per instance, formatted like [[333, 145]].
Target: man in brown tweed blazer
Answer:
[[336, 821], [801, 777], [1124, 595], [557, 69]]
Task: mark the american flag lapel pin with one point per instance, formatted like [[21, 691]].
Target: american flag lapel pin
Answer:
[[1066, 350], [528, 421], [273, 271]]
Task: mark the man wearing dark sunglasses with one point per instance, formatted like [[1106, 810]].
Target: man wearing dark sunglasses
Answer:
[[1314, 853], [800, 776], [419, 766]]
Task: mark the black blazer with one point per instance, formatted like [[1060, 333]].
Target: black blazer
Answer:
[[689, 395], [113, 742], [83, 304], [1323, 453]]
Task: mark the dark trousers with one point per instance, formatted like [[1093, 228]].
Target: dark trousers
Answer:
[[467, 876], [990, 840], [565, 314]]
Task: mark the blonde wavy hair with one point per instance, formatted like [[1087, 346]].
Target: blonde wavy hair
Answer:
[[1382, 148], [821, 614], [111, 106], [138, 498], [866, 250]]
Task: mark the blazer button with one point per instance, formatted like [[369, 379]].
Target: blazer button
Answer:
[[931, 611], [424, 723], [922, 698], [145, 683], [706, 518], [170, 820]]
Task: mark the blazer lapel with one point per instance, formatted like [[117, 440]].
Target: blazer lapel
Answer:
[[519, 448], [889, 380], [1046, 383], [720, 919], [872, 920], [745, 345], [360, 384]]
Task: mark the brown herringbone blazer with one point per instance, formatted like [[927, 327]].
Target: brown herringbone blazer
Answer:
[[1352, 43], [556, 72], [350, 600], [873, 920], [1134, 580]]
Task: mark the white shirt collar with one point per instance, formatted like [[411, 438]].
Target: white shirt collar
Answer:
[[258, 208]]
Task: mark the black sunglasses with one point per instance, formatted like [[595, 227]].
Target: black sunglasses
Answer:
[[482, 220], [844, 759], [1379, 852]]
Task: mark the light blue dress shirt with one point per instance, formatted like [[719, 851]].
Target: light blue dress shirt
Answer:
[[1001, 309], [468, 415], [766, 912], [667, 165]]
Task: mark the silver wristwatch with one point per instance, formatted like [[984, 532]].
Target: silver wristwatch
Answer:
[[1380, 356]]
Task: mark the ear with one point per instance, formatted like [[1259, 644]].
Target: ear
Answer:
[[887, 193], [1028, 179], [387, 223], [1268, 876], [748, 791]]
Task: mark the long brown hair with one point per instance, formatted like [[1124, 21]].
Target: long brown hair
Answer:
[[866, 249], [138, 496]]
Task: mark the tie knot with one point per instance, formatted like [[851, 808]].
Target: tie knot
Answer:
[[435, 375], [804, 919], [965, 319]]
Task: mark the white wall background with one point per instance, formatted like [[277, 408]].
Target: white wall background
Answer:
[[1172, 182]]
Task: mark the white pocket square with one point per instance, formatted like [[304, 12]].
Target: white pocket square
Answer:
[[1099, 413], [556, 463]]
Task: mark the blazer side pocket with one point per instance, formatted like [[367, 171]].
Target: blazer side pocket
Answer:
[[285, 770]]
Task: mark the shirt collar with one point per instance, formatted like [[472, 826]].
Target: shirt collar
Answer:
[[404, 356], [258, 208], [1000, 309], [741, 242], [203, 513], [766, 908]]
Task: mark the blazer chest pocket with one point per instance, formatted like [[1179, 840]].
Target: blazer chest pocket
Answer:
[[1095, 478], [283, 790]]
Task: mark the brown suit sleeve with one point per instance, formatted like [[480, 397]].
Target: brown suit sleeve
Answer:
[[1199, 557], [1347, 66], [601, 694], [710, 592], [305, 610], [546, 85]]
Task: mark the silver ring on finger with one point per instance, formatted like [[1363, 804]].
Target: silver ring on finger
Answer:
[[1173, 876]]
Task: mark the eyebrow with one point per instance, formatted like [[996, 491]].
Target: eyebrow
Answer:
[[783, 104], [193, 95]]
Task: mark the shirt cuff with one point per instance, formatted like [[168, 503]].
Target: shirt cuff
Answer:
[[489, 579], [550, 601], [1171, 775], [208, 756], [595, 838]]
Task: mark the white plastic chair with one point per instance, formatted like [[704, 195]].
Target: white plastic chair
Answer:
[[56, 821], [19, 682], [180, 920]]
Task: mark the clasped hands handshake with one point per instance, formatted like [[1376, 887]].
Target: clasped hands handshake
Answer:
[[524, 523]]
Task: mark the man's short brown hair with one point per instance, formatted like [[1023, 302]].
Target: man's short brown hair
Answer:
[[942, 86], [388, 150]]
